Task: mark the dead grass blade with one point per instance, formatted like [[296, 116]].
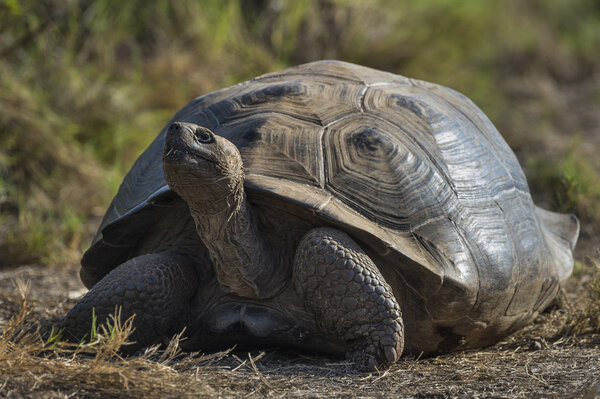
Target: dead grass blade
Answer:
[[258, 373]]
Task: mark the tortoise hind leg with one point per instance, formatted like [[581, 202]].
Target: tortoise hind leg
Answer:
[[346, 292], [156, 288]]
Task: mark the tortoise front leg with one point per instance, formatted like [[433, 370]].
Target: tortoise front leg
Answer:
[[156, 288], [349, 297]]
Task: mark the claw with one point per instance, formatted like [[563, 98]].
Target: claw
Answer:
[[370, 357], [391, 355]]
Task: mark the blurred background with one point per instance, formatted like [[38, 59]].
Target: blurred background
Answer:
[[86, 85]]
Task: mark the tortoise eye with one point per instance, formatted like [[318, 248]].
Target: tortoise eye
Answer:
[[203, 136]]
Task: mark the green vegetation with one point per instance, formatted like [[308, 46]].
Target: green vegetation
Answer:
[[86, 85], [573, 181]]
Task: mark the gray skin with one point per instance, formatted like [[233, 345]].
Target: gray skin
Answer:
[[347, 305], [305, 208]]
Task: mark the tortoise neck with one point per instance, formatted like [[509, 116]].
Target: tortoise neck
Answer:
[[243, 262]]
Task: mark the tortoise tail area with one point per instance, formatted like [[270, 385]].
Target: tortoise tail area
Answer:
[[561, 232]]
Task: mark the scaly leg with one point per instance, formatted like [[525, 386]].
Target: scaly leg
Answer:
[[156, 288], [349, 297]]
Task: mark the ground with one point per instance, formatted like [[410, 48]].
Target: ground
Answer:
[[553, 357]]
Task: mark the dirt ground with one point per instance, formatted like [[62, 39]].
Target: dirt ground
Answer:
[[543, 360]]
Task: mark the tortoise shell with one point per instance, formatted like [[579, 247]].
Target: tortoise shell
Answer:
[[414, 171]]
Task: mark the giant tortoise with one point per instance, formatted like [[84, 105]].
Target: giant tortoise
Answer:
[[332, 207]]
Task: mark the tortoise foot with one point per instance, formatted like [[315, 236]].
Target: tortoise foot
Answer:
[[349, 297], [155, 288], [378, 348]]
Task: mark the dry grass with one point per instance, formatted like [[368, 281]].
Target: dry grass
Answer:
[[586, 319], [32, 366], [557, 355]]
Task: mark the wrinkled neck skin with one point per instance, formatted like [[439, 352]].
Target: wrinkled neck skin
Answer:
[[206, 170], [228, 227]]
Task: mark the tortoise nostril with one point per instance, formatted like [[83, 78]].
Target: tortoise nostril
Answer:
[[174, 127]]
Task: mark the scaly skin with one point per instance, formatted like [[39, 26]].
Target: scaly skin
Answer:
[[349, 297], [156, 288]]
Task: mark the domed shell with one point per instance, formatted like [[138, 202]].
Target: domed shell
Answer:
[[413, 170]]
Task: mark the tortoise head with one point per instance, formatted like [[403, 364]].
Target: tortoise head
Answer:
[[203, 168]]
